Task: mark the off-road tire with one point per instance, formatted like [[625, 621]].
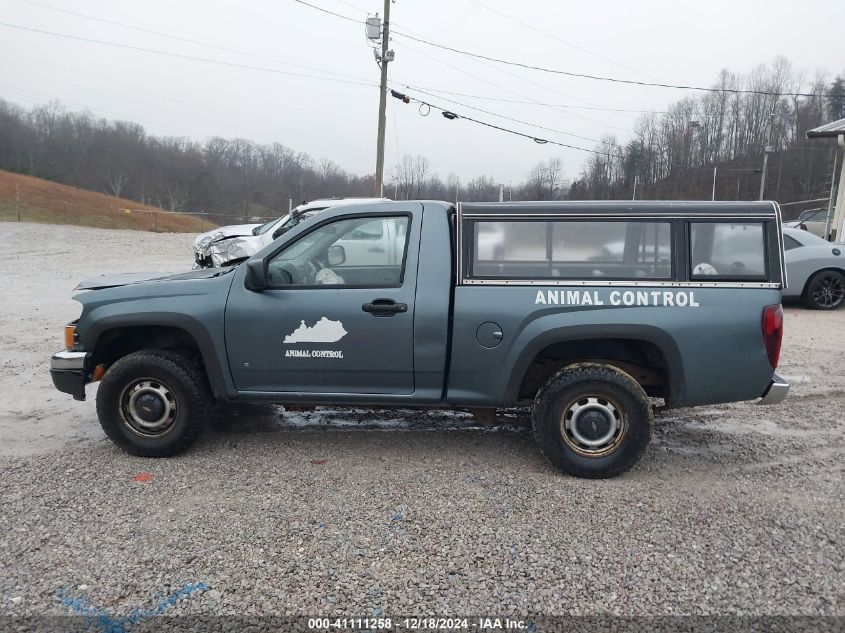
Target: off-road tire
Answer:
[[603, 382], [835, 280], [184, 380]]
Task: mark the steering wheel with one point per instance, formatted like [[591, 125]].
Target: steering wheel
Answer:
[[305, 274]]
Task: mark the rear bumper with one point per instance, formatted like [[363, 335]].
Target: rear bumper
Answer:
[[69, 372], [776, 391]]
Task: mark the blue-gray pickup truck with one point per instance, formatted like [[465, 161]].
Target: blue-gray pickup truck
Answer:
[[588, 313]]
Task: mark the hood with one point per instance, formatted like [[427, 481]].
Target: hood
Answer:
[[125, 279], [224, 232]]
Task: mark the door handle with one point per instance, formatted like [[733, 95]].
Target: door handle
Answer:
[[384, 307]]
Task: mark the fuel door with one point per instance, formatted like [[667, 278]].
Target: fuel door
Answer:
[[489, 334]]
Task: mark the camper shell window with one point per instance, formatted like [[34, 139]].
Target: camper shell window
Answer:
[[571, 249]]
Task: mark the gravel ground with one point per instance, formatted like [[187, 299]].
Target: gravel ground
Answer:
[[734, 509]]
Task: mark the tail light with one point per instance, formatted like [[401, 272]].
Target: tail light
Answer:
[[773, 332]]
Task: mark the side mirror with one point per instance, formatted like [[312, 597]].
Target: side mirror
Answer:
[[280, 231], [256, 279], [336, 255]]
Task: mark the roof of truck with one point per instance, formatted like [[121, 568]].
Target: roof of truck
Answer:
[[622, 207]]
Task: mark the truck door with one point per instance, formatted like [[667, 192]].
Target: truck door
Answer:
[[338, 314]]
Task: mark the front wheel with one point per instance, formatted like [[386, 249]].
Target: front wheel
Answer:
[[592, 421], [825, 290], [153, 403]]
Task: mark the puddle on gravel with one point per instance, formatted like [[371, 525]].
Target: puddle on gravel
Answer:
[[269, 418]]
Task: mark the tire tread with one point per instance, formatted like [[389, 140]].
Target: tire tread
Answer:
[[581, 373], [191, 380]]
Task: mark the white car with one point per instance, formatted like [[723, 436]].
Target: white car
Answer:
[[229, 245], [815, 270]]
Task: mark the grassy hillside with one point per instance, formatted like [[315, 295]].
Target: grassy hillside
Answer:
[[38, 200]]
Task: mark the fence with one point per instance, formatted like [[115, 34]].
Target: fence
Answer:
[[791, 210]]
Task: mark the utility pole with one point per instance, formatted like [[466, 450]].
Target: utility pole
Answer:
[[385, 57], [768, 149]]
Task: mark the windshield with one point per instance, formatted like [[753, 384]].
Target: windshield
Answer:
[[813, 215], [258, 230], [296, 218]]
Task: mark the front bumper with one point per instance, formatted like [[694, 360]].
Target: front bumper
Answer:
[[776, 391], [69, 372]]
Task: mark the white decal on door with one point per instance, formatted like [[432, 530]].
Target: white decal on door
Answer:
[[323, 331]]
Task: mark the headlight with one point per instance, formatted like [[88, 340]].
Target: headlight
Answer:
[[70, 335]]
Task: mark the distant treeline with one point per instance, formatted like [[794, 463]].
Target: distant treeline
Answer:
[[673, 155], [234, 177], [670, 156]]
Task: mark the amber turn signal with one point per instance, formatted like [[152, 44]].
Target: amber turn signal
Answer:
[[99, 372], [70, 335]]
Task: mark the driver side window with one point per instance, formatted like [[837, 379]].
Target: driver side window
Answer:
[[368, 252]]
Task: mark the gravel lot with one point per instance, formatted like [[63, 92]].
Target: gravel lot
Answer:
[[734, 509]]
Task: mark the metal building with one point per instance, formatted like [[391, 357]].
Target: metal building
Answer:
[[835, 129]]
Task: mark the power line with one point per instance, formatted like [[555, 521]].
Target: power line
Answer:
[[561, 40], [350, 19], [510, 90], [72, 75], [353, 6], [567, 73], [181, 39], [599, 77], [355, 81], [502, 116], [246, 66], [592, 106], [538, 103], [451, 115], [337, 15]]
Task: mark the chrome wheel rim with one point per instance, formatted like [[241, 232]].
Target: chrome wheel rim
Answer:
[[828, 291], [593, 425], [148, 408]]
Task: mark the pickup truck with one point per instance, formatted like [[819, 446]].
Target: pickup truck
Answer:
[[589, 313]]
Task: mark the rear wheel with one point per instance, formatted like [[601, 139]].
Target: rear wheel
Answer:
[[153, 403], [592, 421], [825, 290]]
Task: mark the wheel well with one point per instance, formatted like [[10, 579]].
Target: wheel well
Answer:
[[642, 360], [820, 270], [116, 343]]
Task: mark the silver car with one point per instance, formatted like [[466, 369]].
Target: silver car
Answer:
[[815, 270], [229, 245]]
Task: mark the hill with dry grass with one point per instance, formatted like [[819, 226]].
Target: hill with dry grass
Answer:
[[31, 199]]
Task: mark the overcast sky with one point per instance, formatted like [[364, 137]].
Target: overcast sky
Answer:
[[675, 41]]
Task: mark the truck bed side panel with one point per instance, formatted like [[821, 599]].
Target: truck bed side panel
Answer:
[[713, 344]]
